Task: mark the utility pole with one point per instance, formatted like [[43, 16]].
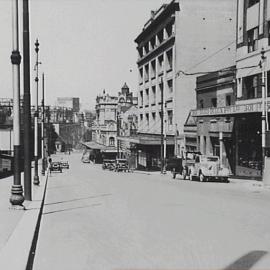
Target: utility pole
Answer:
[[36, 177], [16, 198], [42, 129], [27, 103], [162, 127], [263, 61]]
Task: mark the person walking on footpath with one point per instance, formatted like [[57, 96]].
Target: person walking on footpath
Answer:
[[50, 164]]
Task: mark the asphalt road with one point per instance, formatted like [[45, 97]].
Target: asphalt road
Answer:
[[95, 219]]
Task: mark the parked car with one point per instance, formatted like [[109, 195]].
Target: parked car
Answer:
[[206, 167], [64, 164], [121, 165], [56, 166], [108, 164]]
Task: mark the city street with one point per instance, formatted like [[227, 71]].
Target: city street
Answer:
[[95, 219]]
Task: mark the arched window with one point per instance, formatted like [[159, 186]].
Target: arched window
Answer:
[[111, 141]]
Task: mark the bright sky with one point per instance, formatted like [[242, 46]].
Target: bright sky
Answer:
[[85, 45]]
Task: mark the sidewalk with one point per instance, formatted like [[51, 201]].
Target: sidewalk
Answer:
[[17, 227]]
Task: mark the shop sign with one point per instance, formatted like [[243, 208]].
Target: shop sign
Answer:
[[234, 109]]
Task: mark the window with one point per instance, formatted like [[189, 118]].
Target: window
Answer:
[[169, 29], [147, 119], [214, 102], [146, 75], [141, 117], [253, 36], [153, 69], [169, 57], [154, 116], [140, 75], [252, 87], [154, 94], [170, 118], [153, 42], [170, 86], [160, 36], [228, 101], [141, 97], [147, 96], [111, 141], [201, 104], [146, 48], [252, 2], [160, 64], [140, 51]]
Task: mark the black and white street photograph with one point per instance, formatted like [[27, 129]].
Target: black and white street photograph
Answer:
[[135, 135]]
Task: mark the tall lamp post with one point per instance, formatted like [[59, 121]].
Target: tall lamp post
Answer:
[[263, 58], [36, 177], [42, 128], [16, 198]]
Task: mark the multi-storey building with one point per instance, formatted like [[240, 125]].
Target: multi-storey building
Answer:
[[108, 109], [253, 36], [69, 102], [180, 38], [210, 128]]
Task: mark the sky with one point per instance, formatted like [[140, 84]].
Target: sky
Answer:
[[85, 46]]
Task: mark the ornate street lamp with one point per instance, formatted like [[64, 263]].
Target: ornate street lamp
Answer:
[[36, 177], [16, 198]]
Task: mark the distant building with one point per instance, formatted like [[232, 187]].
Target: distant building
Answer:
[[179, 39], [69, 102], [108, 109]]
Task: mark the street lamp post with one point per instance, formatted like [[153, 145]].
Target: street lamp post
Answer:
[[42, 128], [36, 177], [263, 58], [17, 197]]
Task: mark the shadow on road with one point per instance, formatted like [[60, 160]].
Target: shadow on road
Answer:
[[247, 261], [71, 208], [79, 199]]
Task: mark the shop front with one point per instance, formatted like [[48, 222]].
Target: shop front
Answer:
[[237, 132]]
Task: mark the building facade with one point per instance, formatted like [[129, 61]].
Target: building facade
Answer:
[[108, 109], [210, 129], [175, 43]]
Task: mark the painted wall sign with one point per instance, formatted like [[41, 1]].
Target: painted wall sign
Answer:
[[234, 109]]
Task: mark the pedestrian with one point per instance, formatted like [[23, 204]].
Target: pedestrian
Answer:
[[50, 164]]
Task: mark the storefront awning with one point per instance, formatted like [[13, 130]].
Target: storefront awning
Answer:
[[94, 145]]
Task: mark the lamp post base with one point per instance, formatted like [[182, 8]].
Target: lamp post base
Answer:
[[36, 180], [16, 198]]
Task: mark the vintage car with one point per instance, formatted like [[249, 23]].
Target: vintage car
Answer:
[[207, 168], [56, 167], [64, 164], [108, 164], [121, 165]]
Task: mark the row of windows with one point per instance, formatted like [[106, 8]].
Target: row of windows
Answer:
[[156, 66], [145, 97], [169, 117], [252, 86], [253, 38], [213, 102], [156, 40]]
